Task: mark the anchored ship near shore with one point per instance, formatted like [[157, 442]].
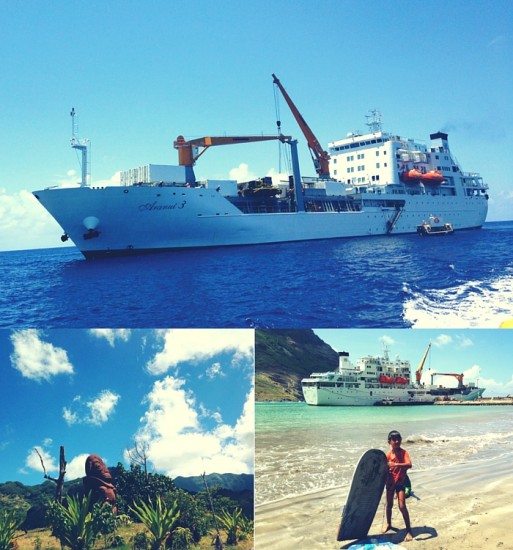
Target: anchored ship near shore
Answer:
[[375, 183], [380, 381]]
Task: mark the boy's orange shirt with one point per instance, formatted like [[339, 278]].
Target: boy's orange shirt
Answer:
[[397, 474]]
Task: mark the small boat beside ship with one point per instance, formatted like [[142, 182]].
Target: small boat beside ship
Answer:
[[381, 381], [434, 228]]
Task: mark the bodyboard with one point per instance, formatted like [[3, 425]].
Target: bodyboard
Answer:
[[364, 495]]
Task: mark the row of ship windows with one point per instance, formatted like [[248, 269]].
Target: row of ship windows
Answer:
[[359, 156], [362, 179], [361, 167], [359, 144]]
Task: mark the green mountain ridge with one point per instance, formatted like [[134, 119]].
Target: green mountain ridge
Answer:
[[283, 357]]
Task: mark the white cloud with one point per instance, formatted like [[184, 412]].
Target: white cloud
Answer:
[[214, 371], [73, 179], [242, 173], [197, 344], [179, 445], [387, 340], [36, 359], [69, 416], [111, 335], [97, 411], [442, 340], [25, 224], [33, 461], [103, 406], [75, 468], [463, 341]]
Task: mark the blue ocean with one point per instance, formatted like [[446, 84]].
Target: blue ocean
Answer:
[[463, 280], [301, 449]]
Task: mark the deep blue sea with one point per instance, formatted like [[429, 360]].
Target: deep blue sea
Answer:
[[463, 280]]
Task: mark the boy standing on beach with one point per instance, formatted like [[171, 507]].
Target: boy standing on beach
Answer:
[[398, 464]]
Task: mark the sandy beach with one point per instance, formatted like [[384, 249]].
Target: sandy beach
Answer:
[[465, 506]]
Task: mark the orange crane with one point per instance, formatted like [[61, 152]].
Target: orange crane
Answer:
[[418, 373], [186, 149], [319, 156], [459, 377]]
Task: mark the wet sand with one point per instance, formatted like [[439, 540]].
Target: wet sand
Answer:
[[464, 506]]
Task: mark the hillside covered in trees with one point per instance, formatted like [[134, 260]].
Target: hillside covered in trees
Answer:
[[283, 357]]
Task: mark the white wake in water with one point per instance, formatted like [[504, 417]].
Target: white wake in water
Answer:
[[474, 304]]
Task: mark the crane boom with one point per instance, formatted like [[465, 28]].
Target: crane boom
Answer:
[[319, 156], [418, 373], [459, 377], [187, 156]]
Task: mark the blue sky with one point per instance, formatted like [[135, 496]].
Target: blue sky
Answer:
[[185, 394], [484, 356], [141, 73]]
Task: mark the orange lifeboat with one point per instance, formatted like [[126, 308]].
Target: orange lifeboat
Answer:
[[433, 178], [386, 379], [411, 176], [401, 380]]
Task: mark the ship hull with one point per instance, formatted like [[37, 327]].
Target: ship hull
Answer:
[[361, 397], [141, 219]]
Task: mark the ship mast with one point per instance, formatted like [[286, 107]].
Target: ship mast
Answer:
[[80, 145], [374, 121]]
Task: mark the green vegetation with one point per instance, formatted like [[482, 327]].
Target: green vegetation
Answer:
[[235, 524], [74, 525], [283, 357], [8, 527], [80, 525], [158, 519]]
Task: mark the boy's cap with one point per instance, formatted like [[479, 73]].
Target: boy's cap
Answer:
[[394, 435]]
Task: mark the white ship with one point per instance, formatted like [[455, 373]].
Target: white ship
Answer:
[[381, 381], [373, 380], [376, 183]]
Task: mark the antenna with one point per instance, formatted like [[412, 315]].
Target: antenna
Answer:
[[374, 121], [80, 145]]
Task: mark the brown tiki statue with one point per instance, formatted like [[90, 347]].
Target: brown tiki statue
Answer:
[[98, 481]]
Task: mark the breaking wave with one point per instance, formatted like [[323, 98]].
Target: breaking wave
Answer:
[[483, 304]]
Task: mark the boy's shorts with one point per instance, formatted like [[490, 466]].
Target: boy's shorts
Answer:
[[400, 487]]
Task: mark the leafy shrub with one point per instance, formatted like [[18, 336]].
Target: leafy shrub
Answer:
[[140, 542], [181, 539], [115, 541]]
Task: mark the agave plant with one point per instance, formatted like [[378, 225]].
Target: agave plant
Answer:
[[246, 527], [158, 519], [230, 523], [8, 526], [74, 524]]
